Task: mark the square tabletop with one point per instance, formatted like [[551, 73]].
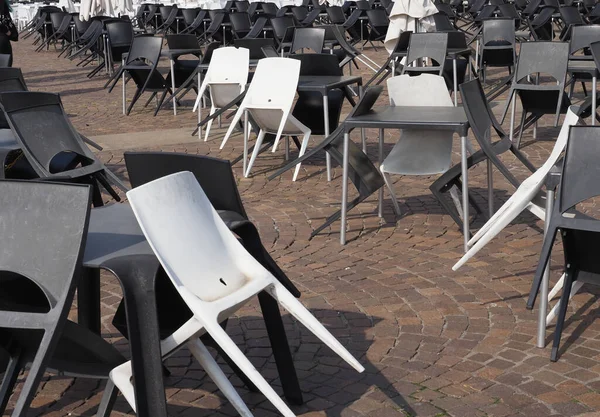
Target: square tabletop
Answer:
[[325, 83]]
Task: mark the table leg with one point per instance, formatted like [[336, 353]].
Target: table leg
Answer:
[[173, 86], [224, 35], [490, 184], [455, 78], [380, 199], [465, 190], [512, 117], [594, 96], [245, 141], [477, 56], [326, 122], [88, 299], [199, 106], [344, 189], [543, 296], [124, 79], [281, 348]]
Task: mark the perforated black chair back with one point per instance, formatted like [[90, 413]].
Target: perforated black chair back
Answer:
[[426, 45], [308, 38]]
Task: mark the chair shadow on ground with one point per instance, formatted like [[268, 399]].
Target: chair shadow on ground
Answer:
[[315, 364]]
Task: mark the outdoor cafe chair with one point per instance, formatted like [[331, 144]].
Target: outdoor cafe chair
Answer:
[[51, 144], [187, 235], [45, 227], [498, 45], [418, 152], [523, 198], [283, 31], [378, 24], [426, 45], [580, 233], [269, 100], [581, 39], [225, 79], [539, 97], [308, 38], [183, 68]]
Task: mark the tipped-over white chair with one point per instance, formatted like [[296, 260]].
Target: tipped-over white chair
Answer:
[[211, 270], [523, 197], [269, 102], [226, 78], [418, 152]]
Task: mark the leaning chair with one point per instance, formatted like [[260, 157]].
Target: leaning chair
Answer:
[[172, 209]]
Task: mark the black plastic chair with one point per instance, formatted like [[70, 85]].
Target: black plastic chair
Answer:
[[254, 46], [391, 65], [51, 144], [61, 30], [11, 79], [141, 65], [581, 39], [120, 36], [443, 23], [378, 25], [214, 30], [540, 27], [482, 123], [571, 17], [183, 68], [336, 15], [269, 51], [197, 26], [497, 45], [47, 224], [579, 182], [364, 175], [283, 31], [240, 24], [457, 40], [426, 45], [538, 100], [258, 28], [308, 38]]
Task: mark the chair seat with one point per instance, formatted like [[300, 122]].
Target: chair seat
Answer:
[[420, 153]]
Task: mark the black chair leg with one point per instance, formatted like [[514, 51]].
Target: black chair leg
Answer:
[[150, 99], [560, 321], [108, 399], [10, 379], [135, 98]]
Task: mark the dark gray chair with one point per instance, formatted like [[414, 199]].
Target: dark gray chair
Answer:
[[40, 267], [497, 45], [308, 38], [426, 45]]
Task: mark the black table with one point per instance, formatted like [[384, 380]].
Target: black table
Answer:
[[407, 117], [116, 243], [324, 84], [173, 54], [586, 66]]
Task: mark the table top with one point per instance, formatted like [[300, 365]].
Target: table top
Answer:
[[413, 117], [174, 53], [324, 83], [582, 65], [253, 63], [113, 232]]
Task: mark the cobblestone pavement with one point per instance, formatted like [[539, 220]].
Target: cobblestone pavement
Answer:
[[434, 342]]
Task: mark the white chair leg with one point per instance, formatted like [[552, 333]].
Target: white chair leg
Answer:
[[209, 124], [302, 151], [296, 309], [490, 223], [553, 313], [388, 183], [121, 376], [556, 288], [495, 228], [236, 355], [259, 140], [213, 370]]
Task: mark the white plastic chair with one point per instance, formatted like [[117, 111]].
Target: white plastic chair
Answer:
[[269, 101], [523, 196], [211, 270], [418, 152], [226, 78]]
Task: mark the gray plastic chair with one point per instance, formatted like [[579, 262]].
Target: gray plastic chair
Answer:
[[497, 45], [426, 45], [538, 100], [418, 152], [308, 38], [40, 266]]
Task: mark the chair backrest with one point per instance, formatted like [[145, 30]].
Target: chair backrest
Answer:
[[43, 130], [120, 33], [189, 15], [457, 40], [11, 79], [228, 65], [428, 45], [254, 46], [318, 64], [480, 116], [544, 58], [280, 25], [57, 19], [145, 48], [403, 43], [378, 18], [308, 38], [580, 179], [242, 6], [299, 13], [44, 225], [336, 15], [498, 31], [509, 11], [442, 23], [583, 36], [269, 51], [570, 15], [240, 21], [81, 25], [187, 235], [421, 90], [182, 41], [214, 175], [5, 61], [165, 12]]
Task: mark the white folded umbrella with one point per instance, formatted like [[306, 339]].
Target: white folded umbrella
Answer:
[[405, 15]]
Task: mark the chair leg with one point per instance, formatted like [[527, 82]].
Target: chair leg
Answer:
[[108, 399], [10, 379], [150, 99], [121, 377], [302, 151], [231, 349], [521, 128], [564, 302], [213, 370], [259, 140], [160, 101], [388, 183], [136, 96], [296, 309], [209, 124]]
